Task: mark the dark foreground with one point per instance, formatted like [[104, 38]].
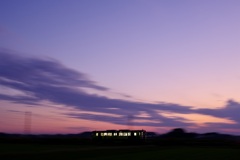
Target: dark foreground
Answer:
[[76, 152]]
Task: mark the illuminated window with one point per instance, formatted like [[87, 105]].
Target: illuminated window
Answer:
[[129, 134], [121, 134], [102, 134], [115, 134], [109, 134], [105, 134], [125, 134], [135, 134], [96, 134]]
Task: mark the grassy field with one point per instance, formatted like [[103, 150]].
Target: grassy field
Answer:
[[75, 152]]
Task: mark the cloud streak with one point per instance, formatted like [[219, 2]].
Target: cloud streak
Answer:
[[48, 80]]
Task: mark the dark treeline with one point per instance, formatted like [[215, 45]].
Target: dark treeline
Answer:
[[78, 139], [175, 137], [178, 136]]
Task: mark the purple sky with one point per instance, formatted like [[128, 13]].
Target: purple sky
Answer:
[[94, 64]]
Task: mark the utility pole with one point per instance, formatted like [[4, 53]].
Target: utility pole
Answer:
[[130, 120]]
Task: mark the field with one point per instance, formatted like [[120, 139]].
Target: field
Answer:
[[75, 152]]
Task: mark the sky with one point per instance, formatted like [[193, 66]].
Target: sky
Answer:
[[84, 65]]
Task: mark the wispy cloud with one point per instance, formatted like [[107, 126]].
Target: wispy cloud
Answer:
[[230, 110], [48, 80]]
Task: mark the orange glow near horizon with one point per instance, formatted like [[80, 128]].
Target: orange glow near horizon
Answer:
[[199, 119], [51, 118]]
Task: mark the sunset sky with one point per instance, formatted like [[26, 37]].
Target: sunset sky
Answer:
[[83, 65]]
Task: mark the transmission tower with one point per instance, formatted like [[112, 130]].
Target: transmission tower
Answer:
[[27, 122]]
